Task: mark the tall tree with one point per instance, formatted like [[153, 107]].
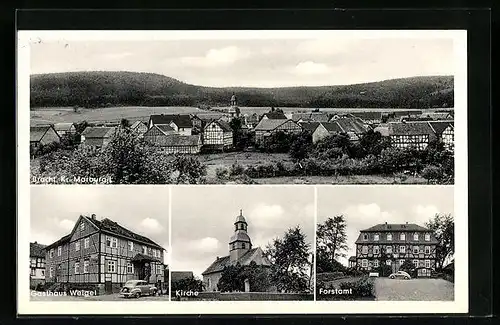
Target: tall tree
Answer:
[[443, 227], [290, 262], [331, 240]]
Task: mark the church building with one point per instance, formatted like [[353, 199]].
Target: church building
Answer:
[[240, 251]]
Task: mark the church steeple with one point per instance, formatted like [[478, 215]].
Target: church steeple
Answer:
[[240, 242]]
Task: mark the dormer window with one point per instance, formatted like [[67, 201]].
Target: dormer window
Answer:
[[415, 236], [365, 236], [144, 250], [427, 237], [389, 237], [402, 236], [376, 237], [130, 246]]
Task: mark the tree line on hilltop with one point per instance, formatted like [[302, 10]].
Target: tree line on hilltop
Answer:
[[97, 89]]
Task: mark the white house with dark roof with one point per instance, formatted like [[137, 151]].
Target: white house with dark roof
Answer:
[[181, 123], [241, 251], [167, 140], [37, 264], [217, 134], [139, 128]]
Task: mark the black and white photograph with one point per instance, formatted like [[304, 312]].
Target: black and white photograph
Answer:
[[334, 110], [98, 243], [242, 243], [385, 243]]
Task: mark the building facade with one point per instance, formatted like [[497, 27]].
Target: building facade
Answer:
[[392, 244], [103, 255], [218, 134], [166, 140], [241, 252], [139, 128], [37, 264], [64, 128], [43, 135], [98, 137], [181, 123]]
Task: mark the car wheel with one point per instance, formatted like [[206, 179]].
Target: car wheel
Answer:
[[137, 295], [391, 277]]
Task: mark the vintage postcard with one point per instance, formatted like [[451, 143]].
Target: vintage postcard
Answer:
[[242, 172]]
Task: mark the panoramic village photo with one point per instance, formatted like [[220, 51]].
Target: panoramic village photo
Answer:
[[243, 111], [242, 243], [98, 243], [385, 243]]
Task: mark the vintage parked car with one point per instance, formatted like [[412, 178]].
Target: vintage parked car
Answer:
[[400, 275], [137, 288]]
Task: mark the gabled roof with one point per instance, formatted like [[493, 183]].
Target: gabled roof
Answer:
[[180, 275], [181, 120], [63, 126], [99, 132], [110, 227], [221, 262], [410, 128], [367, 115], [355, 125], [275, 116], [309, 126], [223, 125], [136, 124], [269, 124], [438, 116], [440, 126], [396, 227], [37, 250], [37, 132], [332, 127], [310, 116], [164, 128]]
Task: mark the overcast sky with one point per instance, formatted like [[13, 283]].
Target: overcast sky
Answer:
[[141, 209], [256, 63], [203, 219], [367, 206]]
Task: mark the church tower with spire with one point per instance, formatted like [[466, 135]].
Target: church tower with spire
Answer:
[[240, 242]]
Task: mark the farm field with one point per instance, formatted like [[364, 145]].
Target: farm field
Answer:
[[49, 115]]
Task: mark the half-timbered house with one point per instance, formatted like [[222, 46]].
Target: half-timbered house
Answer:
[[411, 134], [43, 135], [102, 255], [392, 244], [324, 130], [98, 136], [217, 134], [445, 132], [266, 127], [166, 139], [139, 128], [37, 264], [181, 123]]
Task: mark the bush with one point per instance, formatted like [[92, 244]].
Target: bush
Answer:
[[363, 288]]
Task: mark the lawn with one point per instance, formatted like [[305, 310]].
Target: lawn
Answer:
[[353, 179]]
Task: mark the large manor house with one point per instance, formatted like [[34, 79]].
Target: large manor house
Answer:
[[211, 129], [102, 255], [241, 251]]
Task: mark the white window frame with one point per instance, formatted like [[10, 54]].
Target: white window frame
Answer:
[[77, 267], [131, 246], [415, 263], [402, 236], [415, 249], [59, 250], [388, 249], [428, 264], [159, 268], [364, 249], [86, 266], [401, 262], [365, 237], [376, 237], [82, 226], [77, 245], [51, 253], [364, 263], [375, 263], [376, 250], [389, 237], [415, 236], [427, 237], [402, 249], [86, 243], [388, 262], [427, 250], [144, 250], [113, 242], [108, 264], [51, 272], [130, 268]]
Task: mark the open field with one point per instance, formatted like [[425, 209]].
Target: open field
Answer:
[[414, 289], [217, 160], [49, 115]]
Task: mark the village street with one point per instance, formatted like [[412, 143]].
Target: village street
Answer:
[[111, 297], [413, 290]]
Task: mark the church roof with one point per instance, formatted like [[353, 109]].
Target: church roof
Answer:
[[239, 236], [254, 254]]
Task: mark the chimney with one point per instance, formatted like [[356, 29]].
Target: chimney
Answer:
[[36, 242], [93, 216]]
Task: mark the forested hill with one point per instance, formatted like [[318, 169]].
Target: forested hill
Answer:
[[101, 89]]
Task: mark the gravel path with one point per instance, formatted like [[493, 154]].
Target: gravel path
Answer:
[[414, 289]]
